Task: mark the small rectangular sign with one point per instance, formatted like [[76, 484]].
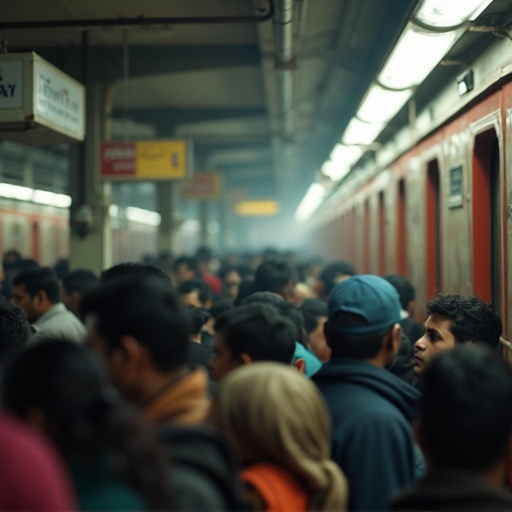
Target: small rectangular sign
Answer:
[[456, 187], [11, 84], [257, 208], [146, 160], [202, 185]]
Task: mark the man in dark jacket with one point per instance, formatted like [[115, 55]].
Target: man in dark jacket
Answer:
[[371, 408]]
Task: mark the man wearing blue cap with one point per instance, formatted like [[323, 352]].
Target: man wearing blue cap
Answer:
[[371, 408]]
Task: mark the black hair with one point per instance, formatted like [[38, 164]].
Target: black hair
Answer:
[[190, 262], [358, 346], [204, 253], [245, 289], [258, 330], [224, 270], [220, 305], [131, 268], [287, 309], [330, 274], [145, 308], [465, 408], [472, 319], [39, 279], [272, 276], [15, 329], [79, 280], [312, 309], [204, 292], [404, 288], [198, 317], [85, 417]]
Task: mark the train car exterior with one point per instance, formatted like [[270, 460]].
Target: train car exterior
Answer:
[[435, 203]]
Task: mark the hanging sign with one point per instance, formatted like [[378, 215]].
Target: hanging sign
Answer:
[[145, 160]]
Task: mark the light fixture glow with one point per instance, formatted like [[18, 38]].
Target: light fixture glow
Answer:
[[113, 210], [51, 198], [341, 159], [359, 132], [16, 192], [380, 105], [310, 202], [416, 54], [444, 13], [143, 216]]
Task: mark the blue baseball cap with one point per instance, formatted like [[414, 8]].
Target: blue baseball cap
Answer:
[[369, 296]]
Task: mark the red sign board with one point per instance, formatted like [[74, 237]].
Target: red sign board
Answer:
[[118, 160]]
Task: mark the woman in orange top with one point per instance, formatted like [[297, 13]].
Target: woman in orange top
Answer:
[[277, 422]]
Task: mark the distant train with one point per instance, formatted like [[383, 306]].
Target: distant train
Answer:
[[435, 204], [42, 232]]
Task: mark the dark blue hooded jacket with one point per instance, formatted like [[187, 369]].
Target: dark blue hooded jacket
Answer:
[[372, 438]]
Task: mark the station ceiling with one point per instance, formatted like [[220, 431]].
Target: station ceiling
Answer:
[[264, 88]]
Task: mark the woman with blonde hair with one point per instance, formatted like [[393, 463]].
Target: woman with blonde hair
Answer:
[[277, 423]]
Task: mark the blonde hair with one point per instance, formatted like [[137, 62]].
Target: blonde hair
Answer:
[[269, 412]]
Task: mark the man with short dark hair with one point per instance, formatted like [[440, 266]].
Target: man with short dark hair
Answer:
[[195, 293], [15, 329], [465, 431], [37, 292], [456, 319], [254, 332], [141, 328], [370, 407], [73, 286], [276, 276]]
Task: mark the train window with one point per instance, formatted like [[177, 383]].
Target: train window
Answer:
[[433, 239], [382, 235], [401, 230], [486, 239]]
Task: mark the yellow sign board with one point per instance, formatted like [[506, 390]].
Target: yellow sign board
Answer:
[[257, 208], [145, 160]]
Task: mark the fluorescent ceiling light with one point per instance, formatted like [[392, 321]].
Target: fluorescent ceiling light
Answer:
[[449, 13], [342, 158], [51, 198], [113, 210], [359, 132], [143, 216], [416, 54], [16, 192], [310, 202], [381, 104]]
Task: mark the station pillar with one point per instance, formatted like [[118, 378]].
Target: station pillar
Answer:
[[91, 237], [168, 196]]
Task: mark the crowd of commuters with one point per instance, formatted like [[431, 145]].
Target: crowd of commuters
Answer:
[[250, 383]]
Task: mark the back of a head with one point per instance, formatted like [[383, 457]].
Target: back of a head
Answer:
[[134, 269], [39, 279], [146, 308], [472, 319], [272, 276], [204, 292], [404, 288], [63, 380], [465, 410], [259, 331], [360, 311], [272, 413], [333, 273], [79, 280], [312, 310], [15, 329]]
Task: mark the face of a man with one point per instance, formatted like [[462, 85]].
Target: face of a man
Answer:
[[183, 273], [318, 342], [25, 301], [221, 361], [191, 299], [437, 337]]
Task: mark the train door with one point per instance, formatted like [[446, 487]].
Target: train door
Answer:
[[381, 236], [433, 238], [35, 249], [487, 270], [401, 230]]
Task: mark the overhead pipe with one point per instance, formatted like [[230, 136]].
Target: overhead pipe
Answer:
[[285, 63], [138, 21]]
